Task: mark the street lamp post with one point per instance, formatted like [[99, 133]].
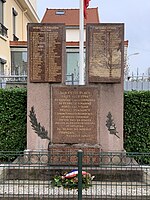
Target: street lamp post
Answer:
[[126, 70]]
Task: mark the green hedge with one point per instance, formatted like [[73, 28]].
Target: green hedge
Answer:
[[13, 103], [13, 113], [137, 121]]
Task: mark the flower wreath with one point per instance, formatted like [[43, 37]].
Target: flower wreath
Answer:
[[70, 180]]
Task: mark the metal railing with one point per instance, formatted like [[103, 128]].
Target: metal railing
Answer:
[[118, 176], [13, 81], [3, 30], [15, 38], [138, 83], [71, 79]]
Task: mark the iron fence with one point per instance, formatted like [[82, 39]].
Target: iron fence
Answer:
[[3, 30], [71, 79], [117, 176], [13, 81], [138, 83]]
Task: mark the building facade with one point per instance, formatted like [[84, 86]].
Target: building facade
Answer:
[[14, 17]]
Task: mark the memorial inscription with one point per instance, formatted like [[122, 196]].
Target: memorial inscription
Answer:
[[74, 115], [46, 51], [105, 50]]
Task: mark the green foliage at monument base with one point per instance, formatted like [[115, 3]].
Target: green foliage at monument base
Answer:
[[137, 121], [13, 113]]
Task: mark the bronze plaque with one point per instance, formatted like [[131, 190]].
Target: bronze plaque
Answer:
[[105, 52], [74, 114], [46, 51]]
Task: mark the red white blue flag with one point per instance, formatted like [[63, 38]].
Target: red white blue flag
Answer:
[[86, 4], [74, 173]]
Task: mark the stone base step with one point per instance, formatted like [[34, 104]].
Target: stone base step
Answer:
[[44, 173]]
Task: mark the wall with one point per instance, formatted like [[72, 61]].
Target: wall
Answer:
[[24, 16], [73, 35]]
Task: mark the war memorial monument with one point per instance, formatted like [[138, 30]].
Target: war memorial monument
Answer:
[[67, 118]]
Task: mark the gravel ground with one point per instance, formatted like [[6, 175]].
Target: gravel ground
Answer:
[[97, 189]]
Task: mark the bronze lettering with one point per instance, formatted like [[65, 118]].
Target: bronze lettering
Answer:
[[74, 114], [45, 52], [105, 52]]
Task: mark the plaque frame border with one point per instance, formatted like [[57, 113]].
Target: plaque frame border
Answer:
[[53, 86], [104, 79], [63, 61]]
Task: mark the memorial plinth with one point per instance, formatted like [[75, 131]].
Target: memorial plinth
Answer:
[[88, 117]]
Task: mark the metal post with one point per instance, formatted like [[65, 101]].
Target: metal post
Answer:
[[81, 49], [72, 78], [80, 155]]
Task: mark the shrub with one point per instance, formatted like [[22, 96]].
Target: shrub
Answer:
[[13, 104], [137, 121], [13, 114]]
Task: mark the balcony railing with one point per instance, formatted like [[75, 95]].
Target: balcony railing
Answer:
[[3, 30], [15, 38], [13, 81], [137, 83]]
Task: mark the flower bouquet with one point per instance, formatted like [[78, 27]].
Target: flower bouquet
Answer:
[[70, 180]]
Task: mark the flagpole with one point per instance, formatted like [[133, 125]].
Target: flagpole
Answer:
[[81, 43]]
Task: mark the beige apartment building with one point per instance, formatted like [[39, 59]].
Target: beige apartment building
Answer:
[[14, 17]]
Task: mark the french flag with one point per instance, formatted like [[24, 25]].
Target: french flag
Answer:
[[86, 4], [74, 173]]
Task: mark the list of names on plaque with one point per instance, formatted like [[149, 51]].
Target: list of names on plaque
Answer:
[[45, 52], [105, 49], [74, 115]]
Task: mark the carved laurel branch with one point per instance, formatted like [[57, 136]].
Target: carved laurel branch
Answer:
[[36, 126], [111, 125]]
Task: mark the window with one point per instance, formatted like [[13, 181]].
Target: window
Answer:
[[19, 61], [2, 62], [60, 12], [14, 24], [2, 11], [72, 72], [3, 29], [72, 66]]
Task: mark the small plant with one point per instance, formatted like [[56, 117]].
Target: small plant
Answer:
[[70, 180]]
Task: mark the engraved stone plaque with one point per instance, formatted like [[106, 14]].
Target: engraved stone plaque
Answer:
[[105, 44], [46, 52], [91, 154], [74, 114]]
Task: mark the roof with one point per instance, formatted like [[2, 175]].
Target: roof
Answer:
[[69, 16]]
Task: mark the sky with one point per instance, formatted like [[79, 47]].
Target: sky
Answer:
[[135, 14]]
